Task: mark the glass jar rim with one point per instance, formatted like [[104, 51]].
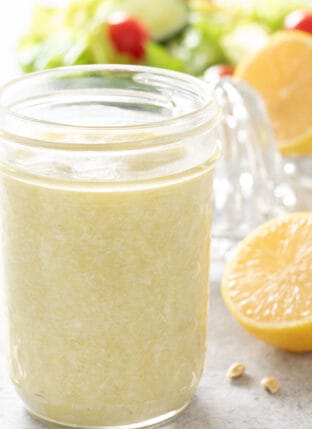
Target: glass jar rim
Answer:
[[198, 120]]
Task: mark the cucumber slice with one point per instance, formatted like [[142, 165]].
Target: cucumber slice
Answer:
[[163, 18]]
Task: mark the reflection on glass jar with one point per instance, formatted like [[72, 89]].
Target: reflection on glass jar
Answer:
[[250, 186], [298, 170], [106, 179]]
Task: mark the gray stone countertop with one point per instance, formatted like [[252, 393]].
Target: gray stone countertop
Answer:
[[219, 403]]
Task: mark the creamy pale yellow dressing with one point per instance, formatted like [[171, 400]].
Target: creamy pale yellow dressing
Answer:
[[107, 297]]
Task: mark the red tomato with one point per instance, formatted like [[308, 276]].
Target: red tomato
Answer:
[[299, 20], [220, 70], [128, 36]]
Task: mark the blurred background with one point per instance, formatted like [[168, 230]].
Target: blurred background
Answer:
[[189, 36], [14, 18]]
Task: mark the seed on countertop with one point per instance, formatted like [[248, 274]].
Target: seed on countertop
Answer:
[[236, 370], [271, 384]]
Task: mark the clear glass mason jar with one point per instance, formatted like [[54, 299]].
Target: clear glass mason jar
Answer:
[[106, 180]]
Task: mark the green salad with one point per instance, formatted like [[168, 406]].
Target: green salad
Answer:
[[181, 35]]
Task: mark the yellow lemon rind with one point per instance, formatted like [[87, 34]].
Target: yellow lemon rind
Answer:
[[294, 336], [290, 336], [302, 146]]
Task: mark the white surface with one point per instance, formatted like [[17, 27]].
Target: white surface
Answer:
[[14, 15]]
